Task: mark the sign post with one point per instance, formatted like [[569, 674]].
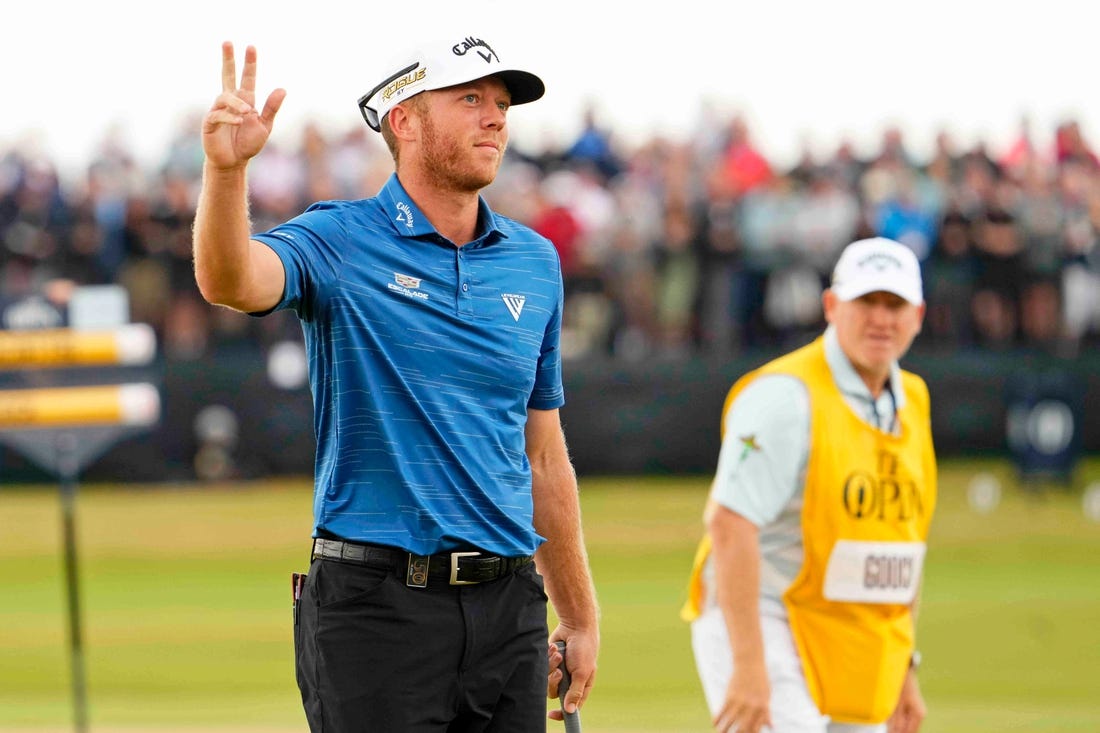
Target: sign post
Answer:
[[64, 429]]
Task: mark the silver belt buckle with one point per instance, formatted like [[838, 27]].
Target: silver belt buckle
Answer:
[[454, 568]]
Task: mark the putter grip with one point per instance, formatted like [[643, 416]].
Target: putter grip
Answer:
[[572, 720]]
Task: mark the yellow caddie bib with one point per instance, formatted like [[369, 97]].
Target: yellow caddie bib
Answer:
[[867, 505]]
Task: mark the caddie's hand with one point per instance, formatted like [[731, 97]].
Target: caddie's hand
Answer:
[[911, 710], [233, 131], [581, 649], [746, 708]]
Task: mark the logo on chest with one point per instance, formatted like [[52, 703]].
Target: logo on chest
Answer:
[[514, 303], [407, 285], [885, 495]]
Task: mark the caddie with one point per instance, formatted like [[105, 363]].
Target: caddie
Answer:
[[803, 594]]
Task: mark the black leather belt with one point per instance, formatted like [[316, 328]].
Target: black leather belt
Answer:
[[457, 568]]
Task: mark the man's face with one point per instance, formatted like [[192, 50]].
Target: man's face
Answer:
[[874, 330], [463, 133]]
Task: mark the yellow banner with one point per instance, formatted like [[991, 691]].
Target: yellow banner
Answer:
[[119, 404], [131, 344]]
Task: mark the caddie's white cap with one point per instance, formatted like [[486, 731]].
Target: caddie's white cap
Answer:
[[445, 63], [869, 265]]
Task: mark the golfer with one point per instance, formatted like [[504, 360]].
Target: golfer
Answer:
[[445, 508]]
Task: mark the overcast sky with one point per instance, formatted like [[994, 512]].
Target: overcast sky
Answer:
[[798, 69]]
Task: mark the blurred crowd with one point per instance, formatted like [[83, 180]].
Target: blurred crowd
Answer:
[[669, 248]]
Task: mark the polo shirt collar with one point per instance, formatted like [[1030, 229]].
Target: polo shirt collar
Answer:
[[408, 221], [846, 377]]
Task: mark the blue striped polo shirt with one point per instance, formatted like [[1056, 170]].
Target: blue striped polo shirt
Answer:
[[423, 360]]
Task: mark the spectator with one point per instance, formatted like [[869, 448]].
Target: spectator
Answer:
[[1000, 279], [744, 166], [903, 216], [949, 274], [827, 217], [641, 232], [1081, 272], [677, 278], [594, 146], [1071, 147]]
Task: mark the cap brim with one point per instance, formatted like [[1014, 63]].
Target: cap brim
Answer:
[[851, 291], [522, 85]]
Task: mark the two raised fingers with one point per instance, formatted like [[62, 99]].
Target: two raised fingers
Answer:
[[229, 69]]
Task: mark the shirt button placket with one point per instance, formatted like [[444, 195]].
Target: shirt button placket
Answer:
[[463, 299]]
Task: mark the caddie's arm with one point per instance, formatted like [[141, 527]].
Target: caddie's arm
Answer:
[[911, 709], [736, 557], [562, 559], [230, 268]]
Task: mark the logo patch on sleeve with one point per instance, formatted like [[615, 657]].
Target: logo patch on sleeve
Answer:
[[748, 446]]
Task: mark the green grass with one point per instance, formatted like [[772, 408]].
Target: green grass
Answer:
[[187, 612]]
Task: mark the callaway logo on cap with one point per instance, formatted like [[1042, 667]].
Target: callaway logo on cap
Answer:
[[444, 64], [870, 265]]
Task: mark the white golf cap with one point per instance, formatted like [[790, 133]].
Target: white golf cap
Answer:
[[442, 64], [870, 265]]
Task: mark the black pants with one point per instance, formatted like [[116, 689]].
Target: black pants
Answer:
[[373, 654]]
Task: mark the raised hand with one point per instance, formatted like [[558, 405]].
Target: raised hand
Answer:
[[233, 131]]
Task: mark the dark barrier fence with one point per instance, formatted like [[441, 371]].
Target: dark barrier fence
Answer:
[[664, 418], [224, 417]]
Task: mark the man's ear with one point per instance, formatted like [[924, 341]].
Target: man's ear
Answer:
[[828, 304], [404, 122]]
